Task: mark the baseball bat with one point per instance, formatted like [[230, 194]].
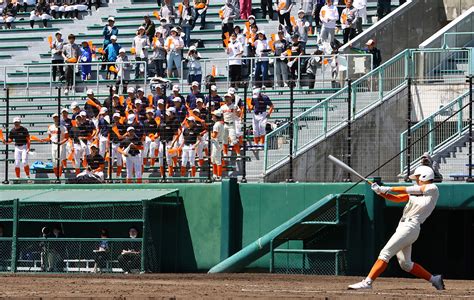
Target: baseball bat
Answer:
[[339, 163]]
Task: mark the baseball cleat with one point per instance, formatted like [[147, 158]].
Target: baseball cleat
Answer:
[[438, 282], [363, 285]]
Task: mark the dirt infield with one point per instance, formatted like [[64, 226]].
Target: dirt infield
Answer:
[[221, 286]]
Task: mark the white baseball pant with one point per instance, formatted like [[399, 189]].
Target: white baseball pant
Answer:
[[400, 244], [188, 155], [238, 128], [201, 146], [79, 150], [134, 166], [230, 137], [103, 145], [259, 122], [57, 8], [149, 147], [34, 17], [216, 153], [54, 153], [169, 160], [7, 20], [21, 156], [117, 155]]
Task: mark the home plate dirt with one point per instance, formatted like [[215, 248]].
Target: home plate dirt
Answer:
[[255, 285]]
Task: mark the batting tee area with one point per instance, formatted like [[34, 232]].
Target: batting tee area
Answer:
[[302, 228]]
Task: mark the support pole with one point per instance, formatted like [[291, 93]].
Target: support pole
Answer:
[[244, 138], [58, 137], [111, 114], [470, 166], [349, 126], [407, 179], [209, 132], [292, 87], [7, 125]]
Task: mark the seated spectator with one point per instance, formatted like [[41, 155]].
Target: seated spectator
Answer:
[[187, 13], [173, 44], [168, 11], [95, 164], [42, 12], [158, 58], [57, 56], [194, 95], [57, 8], [8, 14], [140, 46], [194, 66], [149, 27], [123, 70], [227, 15], [235, 50], [102, 253], [86, 59], [109, 30], [71, 52], [130, 258], [111, 52], [281, 67], [74, 7], [201, 9]]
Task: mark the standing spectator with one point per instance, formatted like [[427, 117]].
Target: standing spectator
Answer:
[[130, 148], [361, 6], [58, 136], [168, 11], [165, 27], [235, 50], [307, 6], [86, 57], [194, 66], [214, 97], [71, 54], [261, 52], [371, 49], [384, 7], [186, 21], [217, 140], [302, 27], [57, 56], [312, 66], [92, 105], [189, 146], [173, 44], [129, 259], [8, 14], [102, 253], [111, 52], [348, 22], [140, 44], [245, 9], [259, 105], [123, 70], [328, 16], [109, 30], [281, 67], [267, 8], [158, 58], [191, 99], [227, 15], [21, 137], [316, 10], [116, 136], [103, 128], [41, 12], [296, 51], [201, 10], [149, 27], [284, 12]]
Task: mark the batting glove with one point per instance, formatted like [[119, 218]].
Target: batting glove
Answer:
[[375, 187], [384, 189]]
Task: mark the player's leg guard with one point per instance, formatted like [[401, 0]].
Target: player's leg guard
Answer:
[[193, 171], [183, 171]]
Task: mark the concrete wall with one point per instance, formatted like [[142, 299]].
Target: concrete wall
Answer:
[[454, 8], [375, 139]]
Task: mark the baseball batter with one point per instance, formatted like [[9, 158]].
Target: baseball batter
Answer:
[[421, 200], [21, 137]]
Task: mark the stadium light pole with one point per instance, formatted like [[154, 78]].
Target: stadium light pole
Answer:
[[7, 125]]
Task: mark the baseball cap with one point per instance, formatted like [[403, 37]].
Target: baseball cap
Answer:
[[300, 11], [138, 101], [174, 30], [177, 99], [196, 110], [116, 115], [141, 28], [161, 101], [252, 17], [171, 110], [370, 42], [74, 105], [122, 50], [113, 37], [261, 32], [103, 110], [140, 90], [195, 83], [256, 92], [217, 113], [83, 114], [16, 120], [111, 19], [115, 96], [64, 110], [227, 95], [94, 145], [131, 118], [131, 90], [130, 128], [191, 119], [199, 100], [176, 88], [213, 88], [89, 92], [150, 110], [58, 32], [231, 90]]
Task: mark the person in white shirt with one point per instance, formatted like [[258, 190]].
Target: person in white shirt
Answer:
[[421, 200], [58, 141], [234, 52], [173, 45], [361, 6], [348, 21], [261, 65], [230, 112], [328, 16], [141, 44]]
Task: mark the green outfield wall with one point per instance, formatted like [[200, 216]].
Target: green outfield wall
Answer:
[[218, 219]]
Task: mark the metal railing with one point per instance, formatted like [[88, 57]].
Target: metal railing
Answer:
[[458, 39], [331, 114], [44, 72], [453, 119]]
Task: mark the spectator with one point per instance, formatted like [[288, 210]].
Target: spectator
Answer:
[[259, 105], [86, 59], [140, 46], [328, 16], [217, 140], [230, 113], [361, 6], [57, 58], [21, 137], [384, 7], [89, 4], [215, 98], [41, 12], [227, 15], [130, 258], [151, 145], [284, 12], [158, 59], [316, 10], [168, 11], [261, 65], [281, 67], [245, 9], [8, 14], [426, 160], [58, 136], [165, 27], [296, 50], [307, 6], [66, 121], [302, 27], [179, 109], [314, 62], [109, 30], [173, 44], [194, 66], [240, 36], [111, 52], [57, 8], [348, 20], [267, 8], [371, 49], [149, 27], [71, 54], [175, 92], [201, 10], [235, 50], [123, 70], [194, 95], [103, 128], [187, 15], [95, 164], [190, 143], [75, 110], [92, 105], [102, 253], [130, 148]]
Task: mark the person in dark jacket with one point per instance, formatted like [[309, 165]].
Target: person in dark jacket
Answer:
[[149, 27], [42, 12], [130, 258], [371, 49], [109, 30], [8, 14]]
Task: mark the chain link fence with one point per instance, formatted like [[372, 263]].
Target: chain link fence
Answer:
[[310, 262]]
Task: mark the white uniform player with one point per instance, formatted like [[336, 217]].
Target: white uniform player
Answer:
[[421, 199], [53, 131], [230, 112], [217, 140], [130, 147], [238, 121]]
